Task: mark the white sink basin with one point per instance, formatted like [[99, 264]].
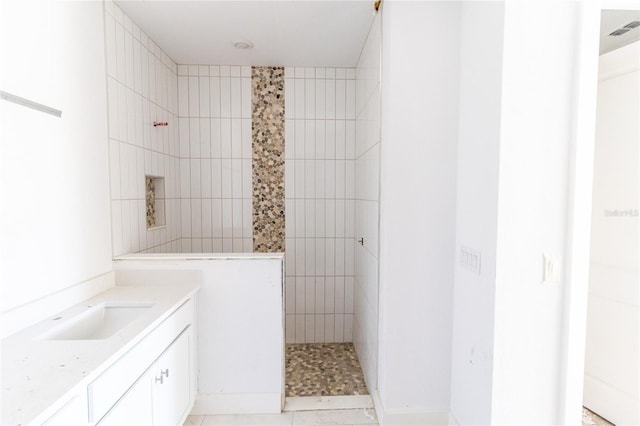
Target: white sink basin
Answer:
[[98, 322]]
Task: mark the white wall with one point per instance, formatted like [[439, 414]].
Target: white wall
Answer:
[[538, 72], [515, 123], [417, 206], [215, 158], [141, 89], [319, 203], [477, 209], [54, 220], [367, 153], [517, 98], [612, 371]]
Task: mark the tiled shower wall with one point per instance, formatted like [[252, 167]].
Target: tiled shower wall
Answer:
[[141, 88], [319, 198], [205, 157], [365, 327], [215, 158]]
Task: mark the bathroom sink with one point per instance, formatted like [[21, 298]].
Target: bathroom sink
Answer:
[[98, 322]]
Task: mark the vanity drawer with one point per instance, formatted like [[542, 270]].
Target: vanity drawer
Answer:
[[109, 387]]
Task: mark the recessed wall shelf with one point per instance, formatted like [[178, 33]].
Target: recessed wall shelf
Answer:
[[154, 196]]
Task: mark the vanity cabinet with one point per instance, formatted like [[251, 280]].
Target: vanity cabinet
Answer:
[[152, 383], [171, 385], [144, 373], [134, 408], [161, 395]]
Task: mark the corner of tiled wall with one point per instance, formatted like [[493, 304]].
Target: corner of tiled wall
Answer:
[[367, 159], [141, 89]]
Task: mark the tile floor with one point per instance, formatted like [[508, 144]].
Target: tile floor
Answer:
[[319, 369], [589, 418], [360, 417], [323, 369]]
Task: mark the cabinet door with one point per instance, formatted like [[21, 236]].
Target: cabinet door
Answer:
[[134, 408], [172, 382]]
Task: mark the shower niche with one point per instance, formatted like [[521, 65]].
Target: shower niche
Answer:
[[154, 196]]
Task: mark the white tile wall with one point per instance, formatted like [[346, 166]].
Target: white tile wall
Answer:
[[320, 129], [214, 110], [205, 157], [141, 89], [367, 180]]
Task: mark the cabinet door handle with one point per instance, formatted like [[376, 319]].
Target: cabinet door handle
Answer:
[[164, 373], [159, 379]]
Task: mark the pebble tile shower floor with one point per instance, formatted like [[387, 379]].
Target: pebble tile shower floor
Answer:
[[589, 418], [323, 369]]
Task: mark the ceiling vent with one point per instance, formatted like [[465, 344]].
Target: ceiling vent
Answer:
[[625, 29]]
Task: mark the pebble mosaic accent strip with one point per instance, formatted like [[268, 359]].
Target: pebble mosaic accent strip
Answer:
[[323, 369], [150, 191], [268, 158]]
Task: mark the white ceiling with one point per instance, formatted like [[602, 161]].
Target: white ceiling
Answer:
[[610, 21], [284, 33]]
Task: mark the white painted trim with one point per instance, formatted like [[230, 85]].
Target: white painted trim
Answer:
[[377, 405], [577, 248], [237, 403], [187, 413], [410, 417], [629, 70], [619, 402], [346, 402], [19, 318], [619, 62]]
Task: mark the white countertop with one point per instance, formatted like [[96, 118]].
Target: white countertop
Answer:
[[37, 374], [198, 256]]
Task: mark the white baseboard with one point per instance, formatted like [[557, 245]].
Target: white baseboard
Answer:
[[410, 417], [607, 401], [377, 404], [237, 403], [26, 315], [307, 403]]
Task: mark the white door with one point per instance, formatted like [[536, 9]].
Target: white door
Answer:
[[172, 382], [611, 386]]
